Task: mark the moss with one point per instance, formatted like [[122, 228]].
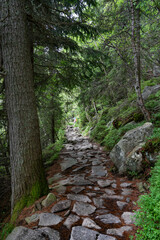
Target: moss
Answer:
[[38, 189], [6, 230]]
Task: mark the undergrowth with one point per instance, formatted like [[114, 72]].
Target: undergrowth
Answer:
[[148, 217]]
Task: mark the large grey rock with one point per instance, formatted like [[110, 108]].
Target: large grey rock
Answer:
[[23, 233], [83, 209], [49, 233], [79, 197], [51, 198], [82, 233], [72, 218], [49, 219], [61, 206], [148, 90], [119, 231], [108, 218], [121, 153]]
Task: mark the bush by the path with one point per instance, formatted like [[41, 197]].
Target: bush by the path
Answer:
[[148, 217]]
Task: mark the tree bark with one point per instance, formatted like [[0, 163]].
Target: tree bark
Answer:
[[135, 22], [27, 169]]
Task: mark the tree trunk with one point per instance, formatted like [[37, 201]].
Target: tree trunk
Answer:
[[135, 21], [27, 172], [53, 128]]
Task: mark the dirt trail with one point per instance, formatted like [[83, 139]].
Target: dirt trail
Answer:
[[92, 203]]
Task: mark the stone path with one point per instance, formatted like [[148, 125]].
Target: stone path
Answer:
[[91, 203]]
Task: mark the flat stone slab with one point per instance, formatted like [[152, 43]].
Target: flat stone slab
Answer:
[[61, 206], [67, 163], [72, 219], [49, 233], [108, 218], [116, 197], [87, 222], [128, 217], [77, 189], [81, 167], [82, 233], [119, 231], [49, 219], [79, 197], [99, 171], [105, 237], [121, 205], [105, 183], [83, 209], [54, 178]]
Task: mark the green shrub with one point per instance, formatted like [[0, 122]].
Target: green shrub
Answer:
[[148, 217], [100, 131]]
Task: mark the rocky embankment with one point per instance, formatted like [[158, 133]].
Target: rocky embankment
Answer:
[[86, 201]]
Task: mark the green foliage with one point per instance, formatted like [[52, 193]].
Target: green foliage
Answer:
[[100, 131], [153, 143], [148, 217], [6, 230], [51, 152]]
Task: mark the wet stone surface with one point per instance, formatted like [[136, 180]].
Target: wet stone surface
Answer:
[[90, 201]]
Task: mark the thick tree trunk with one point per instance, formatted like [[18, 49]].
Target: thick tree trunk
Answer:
[[135, 21], [27, 171]]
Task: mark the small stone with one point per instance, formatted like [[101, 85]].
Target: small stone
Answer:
[[51, 198], [102, 211], [61, 206], [140, 187], [38, 206], [114, 185], [91, 194], [79, 197], [128, 200], [72, 219], [49, 219], [97, 189], [119, 231], [33, 218], [121, 205], [128, 217], [83, 209], [110, 192], [125, 185], [108, 218], [87, 222]]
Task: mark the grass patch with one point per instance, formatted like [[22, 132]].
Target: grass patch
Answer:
[[6, 230]]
